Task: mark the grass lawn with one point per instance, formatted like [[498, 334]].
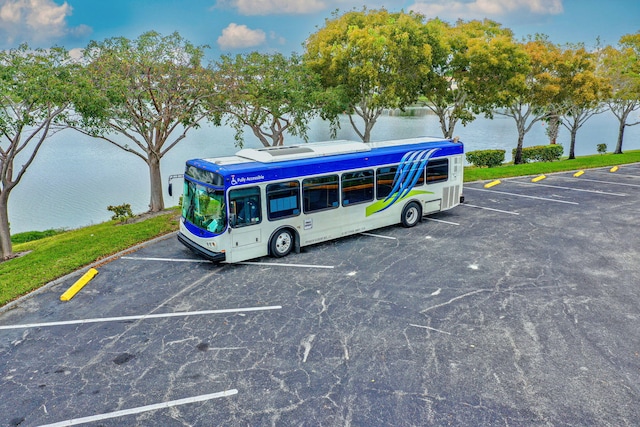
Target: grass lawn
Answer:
[[59, 254], [50, 255]]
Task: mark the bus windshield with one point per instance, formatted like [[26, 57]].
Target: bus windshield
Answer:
[[204, 207]]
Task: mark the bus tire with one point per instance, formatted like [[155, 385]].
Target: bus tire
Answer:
[[281, 243], [411, 214]]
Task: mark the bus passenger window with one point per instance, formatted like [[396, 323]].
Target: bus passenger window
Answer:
[[437, 170], [320, 193], [283, 200], [244, 207], [357, 187], [384, 181]]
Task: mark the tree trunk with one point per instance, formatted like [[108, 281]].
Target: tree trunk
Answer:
[[518, 158], [622, 125], [6, 250], [572, 146], [155, 180]]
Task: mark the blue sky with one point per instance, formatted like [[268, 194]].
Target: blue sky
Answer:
[[236, 26]]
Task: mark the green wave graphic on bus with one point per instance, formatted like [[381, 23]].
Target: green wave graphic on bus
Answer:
[[407, 175], [383, 204]]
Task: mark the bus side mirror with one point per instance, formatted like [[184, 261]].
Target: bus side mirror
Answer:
[[170, 187]]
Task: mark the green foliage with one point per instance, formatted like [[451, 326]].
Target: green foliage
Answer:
[[121, 212], [36, 87], [583, 162], [271, 94], [485, 158], [30, 236], [372, 59], [55, 256], [541, 153], [602, 148]]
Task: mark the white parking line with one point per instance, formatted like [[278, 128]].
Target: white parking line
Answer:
[[142, 409], [135, 258], [489, 209], [379, 236], [439, 220], [602, 182], [277, 264], [570, 188], [522, 195], [140, 317]]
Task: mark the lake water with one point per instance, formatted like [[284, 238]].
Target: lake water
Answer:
[[74, 178]]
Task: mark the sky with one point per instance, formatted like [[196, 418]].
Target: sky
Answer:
[[240, 26]]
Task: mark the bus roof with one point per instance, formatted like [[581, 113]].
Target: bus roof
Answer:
[[320, 157]]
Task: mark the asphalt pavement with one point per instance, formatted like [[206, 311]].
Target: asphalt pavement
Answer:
[[520, 307]]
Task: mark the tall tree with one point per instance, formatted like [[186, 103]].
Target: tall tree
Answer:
[[35, 88], [271, 94], [527, 93], [151, 91], [370, 60], [582, 92], [621, 66], [449, 84]]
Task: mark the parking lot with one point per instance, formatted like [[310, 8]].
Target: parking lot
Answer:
[[520, 307]]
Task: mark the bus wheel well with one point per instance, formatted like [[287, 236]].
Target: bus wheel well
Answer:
[[283, 241], [411, 214]]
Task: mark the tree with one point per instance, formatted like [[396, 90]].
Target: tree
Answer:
[[582, 91], [151, 90], [35, 87], [370, 60], [526, 93], [449, 84], [270, 93], [622, 69]]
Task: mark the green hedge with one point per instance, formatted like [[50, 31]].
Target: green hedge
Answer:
[[541, 153], [488, 158]]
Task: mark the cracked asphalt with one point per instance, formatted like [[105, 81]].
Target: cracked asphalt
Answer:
[[519, 308]]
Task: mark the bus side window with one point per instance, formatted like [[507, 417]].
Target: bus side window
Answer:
[[283, 200], [357, 187], [245, 207], [437, 170], [321, 193], [384, 181]]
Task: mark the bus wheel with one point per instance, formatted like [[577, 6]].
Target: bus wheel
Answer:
[[281, 243], [411, 214]]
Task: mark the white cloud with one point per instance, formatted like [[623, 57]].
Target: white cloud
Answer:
[[275, 7], [477, 9], [240, 36], [35, 21]]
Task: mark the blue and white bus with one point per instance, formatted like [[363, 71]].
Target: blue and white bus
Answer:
[[271, 201]]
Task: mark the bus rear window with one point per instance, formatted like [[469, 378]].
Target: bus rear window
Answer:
[[437, 170]]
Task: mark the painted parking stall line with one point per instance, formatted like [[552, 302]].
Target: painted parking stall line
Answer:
[[278, 264], [490, 209], [379, 236], [523, 195], [141, 409], [441, 221], [140, 317], [559, 187], [625, 184], [133, 258]]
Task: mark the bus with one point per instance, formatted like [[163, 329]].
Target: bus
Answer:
[[274, 200]]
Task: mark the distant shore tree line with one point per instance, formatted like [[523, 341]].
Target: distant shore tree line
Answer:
[[144, 95]]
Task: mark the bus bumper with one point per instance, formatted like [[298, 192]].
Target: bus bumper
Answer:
[[210, 255]]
